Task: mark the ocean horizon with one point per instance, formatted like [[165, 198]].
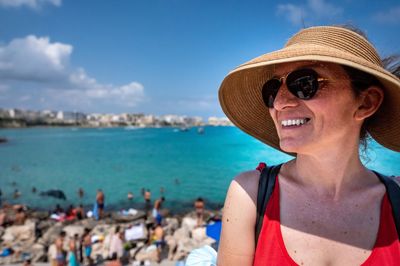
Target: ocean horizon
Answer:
[[178, 165]]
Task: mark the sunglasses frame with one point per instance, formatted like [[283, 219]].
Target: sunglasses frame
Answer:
[[295, 87]]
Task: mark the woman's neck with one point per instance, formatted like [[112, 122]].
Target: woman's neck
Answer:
[[332, 174]]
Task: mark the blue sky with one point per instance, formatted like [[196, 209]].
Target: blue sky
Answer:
[[155, 56]]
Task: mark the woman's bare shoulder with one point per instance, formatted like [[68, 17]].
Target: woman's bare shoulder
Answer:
[[248, 182], [238, 220]]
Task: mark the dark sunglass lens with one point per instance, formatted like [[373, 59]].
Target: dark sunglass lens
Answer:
[[303, 83], [269, 91]]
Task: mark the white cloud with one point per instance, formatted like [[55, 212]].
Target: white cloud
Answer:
[[313, 10], [35, 4], [295, 14], [322, 8], [24, 98], [80, 79], [34, 58], [129, 95], [37, 67], [391, 16]]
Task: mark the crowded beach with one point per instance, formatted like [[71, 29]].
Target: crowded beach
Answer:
[[79, 235]]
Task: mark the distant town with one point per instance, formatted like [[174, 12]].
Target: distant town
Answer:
[[14, 118]]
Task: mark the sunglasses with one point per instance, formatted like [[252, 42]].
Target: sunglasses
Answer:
[[302, 83]]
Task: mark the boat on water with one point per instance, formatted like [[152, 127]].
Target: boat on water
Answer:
[[200, 130], [130, 127]]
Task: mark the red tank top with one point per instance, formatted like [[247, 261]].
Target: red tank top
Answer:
[[271, 248]]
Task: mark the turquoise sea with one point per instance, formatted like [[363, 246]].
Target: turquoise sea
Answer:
[[118, 160]]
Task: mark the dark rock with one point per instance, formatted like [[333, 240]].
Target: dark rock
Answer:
[[55, 193]]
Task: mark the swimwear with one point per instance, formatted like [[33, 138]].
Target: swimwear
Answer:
[[60, 259], [271, 249], [159, 243], [88, 251], [73, 261]]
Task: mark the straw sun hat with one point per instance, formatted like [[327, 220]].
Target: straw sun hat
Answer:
[[240, 92]]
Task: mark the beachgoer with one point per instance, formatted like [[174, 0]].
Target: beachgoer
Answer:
[[199, 207], [60, 258], [147, 201], [86, 244], [52, 254], [20, 216], [116, 244], [157, 238], [162, 191], [78, 247], [317, 99], [79, 212], [58, 209], [147, 196], [16, 194], [34, 190], [70, 210], [130, 196], [72, 253], [156, 210], [81, 193], [100, 199], [3, 218]]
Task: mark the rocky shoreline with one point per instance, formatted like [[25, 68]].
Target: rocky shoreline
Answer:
[[33, 238]]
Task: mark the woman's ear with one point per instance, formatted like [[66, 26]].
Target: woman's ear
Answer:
[[370, 100]]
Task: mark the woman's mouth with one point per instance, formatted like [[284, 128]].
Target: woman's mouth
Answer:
[[294, 122]]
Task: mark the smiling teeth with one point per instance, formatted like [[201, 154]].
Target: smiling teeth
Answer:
[[293, 122]]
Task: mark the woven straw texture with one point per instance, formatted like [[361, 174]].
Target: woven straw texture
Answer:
[[240, 92]]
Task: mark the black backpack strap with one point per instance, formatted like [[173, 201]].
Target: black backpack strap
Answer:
[[266, 186], [393, 191]]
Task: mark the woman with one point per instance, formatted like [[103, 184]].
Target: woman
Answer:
[[72, 253], [316, 99]]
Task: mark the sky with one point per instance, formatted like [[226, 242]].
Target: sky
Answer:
[[156, 56]]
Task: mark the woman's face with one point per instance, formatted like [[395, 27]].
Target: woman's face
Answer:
[[328, 116]]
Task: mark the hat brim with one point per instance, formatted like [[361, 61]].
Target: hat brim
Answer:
[[241, 100]]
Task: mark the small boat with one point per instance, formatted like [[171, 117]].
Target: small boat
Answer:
[[130, 128], [200, 130]]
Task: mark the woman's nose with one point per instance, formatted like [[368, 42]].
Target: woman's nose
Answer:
[[284, 98]]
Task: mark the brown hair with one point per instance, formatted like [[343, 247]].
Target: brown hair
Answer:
[[360, 80]]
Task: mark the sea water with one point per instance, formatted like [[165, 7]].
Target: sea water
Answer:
[[180, 165]]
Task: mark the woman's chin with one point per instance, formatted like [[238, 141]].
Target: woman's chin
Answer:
[[291, 146]]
